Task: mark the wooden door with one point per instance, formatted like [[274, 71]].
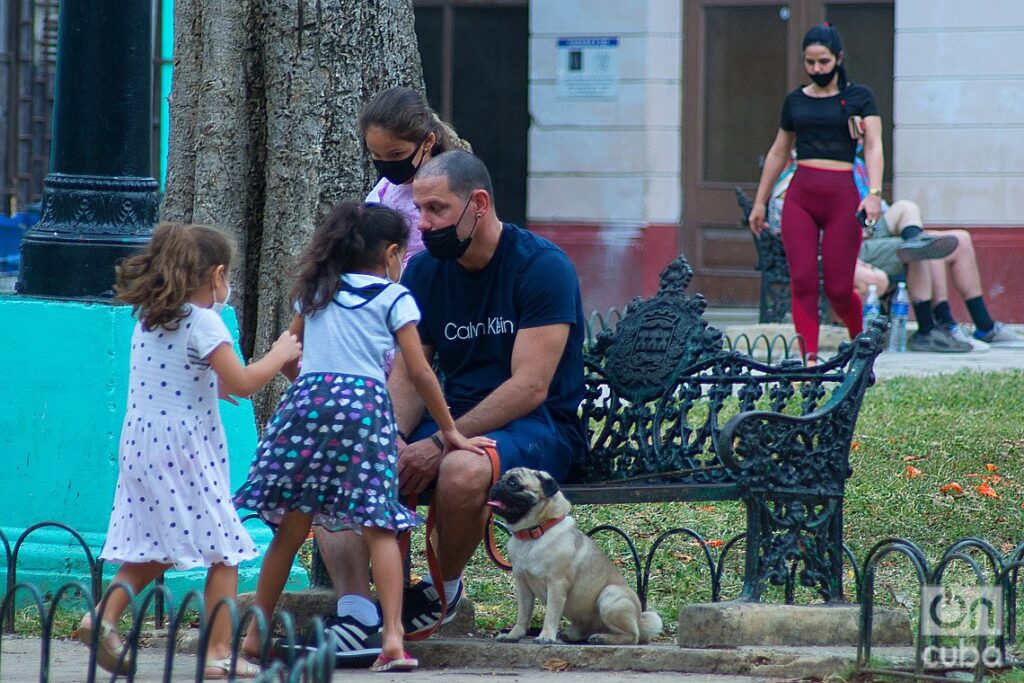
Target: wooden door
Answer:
[[741, 58]]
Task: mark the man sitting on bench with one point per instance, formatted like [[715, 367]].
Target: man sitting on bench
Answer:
[[502, 309]]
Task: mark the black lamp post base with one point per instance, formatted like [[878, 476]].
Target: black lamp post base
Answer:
[[61, 268], [88, 224]]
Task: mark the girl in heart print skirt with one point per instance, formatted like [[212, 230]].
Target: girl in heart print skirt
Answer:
[[328, 455]]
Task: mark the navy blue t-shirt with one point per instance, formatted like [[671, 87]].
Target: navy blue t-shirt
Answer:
[[471, 319]]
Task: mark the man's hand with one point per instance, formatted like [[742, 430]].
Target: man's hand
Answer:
[[418, 464]]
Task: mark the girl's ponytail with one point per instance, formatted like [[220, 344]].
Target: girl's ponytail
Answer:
[[353, 238], [176, 263], [447, 138]]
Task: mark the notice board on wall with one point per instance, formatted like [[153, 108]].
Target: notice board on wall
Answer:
[[588, 67]]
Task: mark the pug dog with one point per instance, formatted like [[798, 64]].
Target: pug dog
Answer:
[[553, 561]]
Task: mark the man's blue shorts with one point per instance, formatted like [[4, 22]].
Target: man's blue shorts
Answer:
[[532, 441]]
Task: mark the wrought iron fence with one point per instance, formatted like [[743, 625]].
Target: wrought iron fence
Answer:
[[315, 665], [984, 610], [769, 349], [986, 605]]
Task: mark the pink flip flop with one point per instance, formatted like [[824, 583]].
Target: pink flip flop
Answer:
[[403, 663]]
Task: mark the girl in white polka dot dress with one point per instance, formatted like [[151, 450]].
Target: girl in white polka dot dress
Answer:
[[172, 506]]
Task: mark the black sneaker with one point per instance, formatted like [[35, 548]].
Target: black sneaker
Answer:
[[358, 645], [937, 340], [924, 247], [421, 607]]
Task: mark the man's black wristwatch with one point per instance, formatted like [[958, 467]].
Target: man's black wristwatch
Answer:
[[437, 441]]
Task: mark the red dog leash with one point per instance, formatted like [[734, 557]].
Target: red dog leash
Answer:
[[434, 566]]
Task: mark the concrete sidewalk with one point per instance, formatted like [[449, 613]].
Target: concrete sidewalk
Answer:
[[736, 321], [475, 658]]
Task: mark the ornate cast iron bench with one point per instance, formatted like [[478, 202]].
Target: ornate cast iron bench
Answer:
[[674, 417]]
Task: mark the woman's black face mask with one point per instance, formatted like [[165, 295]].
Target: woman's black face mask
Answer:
[[822, 80], [444, 243], [401, 171]]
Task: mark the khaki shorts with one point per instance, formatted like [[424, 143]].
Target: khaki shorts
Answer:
[[881, 253]]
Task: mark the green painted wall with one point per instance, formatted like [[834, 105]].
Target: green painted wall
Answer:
[[66, 376]]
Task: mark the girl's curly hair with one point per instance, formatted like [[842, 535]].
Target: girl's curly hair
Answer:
[[352, 238], [164, 276]]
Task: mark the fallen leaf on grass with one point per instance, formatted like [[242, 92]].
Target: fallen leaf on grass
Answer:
[[555, 665], [986, 490], [951, 487], [990, 467], [708, 508], [1006, 547], [716, 543], [912, 472], [855, 446], [682, 557], [912, 458]]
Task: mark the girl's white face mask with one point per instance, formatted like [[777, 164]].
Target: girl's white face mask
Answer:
[[218, 306]]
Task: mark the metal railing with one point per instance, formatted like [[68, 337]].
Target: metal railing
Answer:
[[993, 576]]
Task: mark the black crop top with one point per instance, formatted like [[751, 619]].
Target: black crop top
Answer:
[[820, 123]]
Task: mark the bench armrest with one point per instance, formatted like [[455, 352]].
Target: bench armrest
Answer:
[[786, 453]]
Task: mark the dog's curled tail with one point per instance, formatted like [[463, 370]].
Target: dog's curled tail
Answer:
[[650, 626]]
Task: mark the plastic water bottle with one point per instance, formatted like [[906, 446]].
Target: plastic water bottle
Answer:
[[872, 306], [900, 311]]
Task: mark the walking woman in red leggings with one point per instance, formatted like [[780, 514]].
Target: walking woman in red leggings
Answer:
[[824, 120]]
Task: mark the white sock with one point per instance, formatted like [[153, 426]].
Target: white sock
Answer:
[[358, 607], [450, 587]]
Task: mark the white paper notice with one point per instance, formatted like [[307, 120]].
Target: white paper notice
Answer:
[[588, 68]]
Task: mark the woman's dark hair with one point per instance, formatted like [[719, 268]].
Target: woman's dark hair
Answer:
[[404, 113], [352, 238], [164, 276], [827, 36]]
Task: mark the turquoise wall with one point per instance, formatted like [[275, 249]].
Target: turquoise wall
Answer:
[[66, 376]]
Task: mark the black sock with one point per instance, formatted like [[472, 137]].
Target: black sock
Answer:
[[943, 314], [923, 313], [911, 231], [979, 314]]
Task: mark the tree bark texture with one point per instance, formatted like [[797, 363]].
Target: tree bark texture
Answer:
[[263, 132]]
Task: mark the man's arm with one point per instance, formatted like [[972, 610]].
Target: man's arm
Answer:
[[535, 357]]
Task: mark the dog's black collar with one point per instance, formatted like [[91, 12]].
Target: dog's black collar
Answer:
[[537, 531]]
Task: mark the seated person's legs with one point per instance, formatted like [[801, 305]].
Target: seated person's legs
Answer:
[[928, 337], [904, 219], [963, 266], [880, 253], [866, 275], [460, 494]]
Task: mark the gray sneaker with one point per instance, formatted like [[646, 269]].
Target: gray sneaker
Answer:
[[924, 247], [937, 340], [960, 334], [1002, 336]]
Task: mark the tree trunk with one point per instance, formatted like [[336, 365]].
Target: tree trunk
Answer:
[[264, 138]]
